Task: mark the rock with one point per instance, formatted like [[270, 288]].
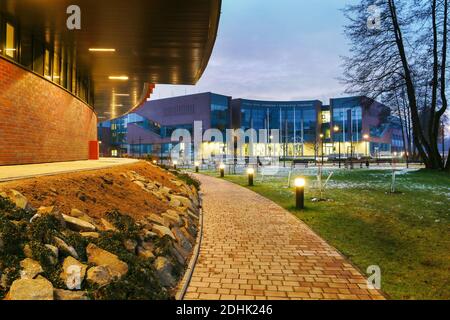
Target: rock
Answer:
[[30, 269], [3, 195], [108, 180], [31, 290], [164, 272], [19, 200], [73, 273], [51, 211], [78, 224], [94, 235], [100, 275], [173, 217], [193, 215], [185, 202], [64, 247], [145, 253], [182, 240], [156, 219], [55, 254], [162, 231], [141, 185], [76, 213], [130, 245], [145, 235], [174, 203], [3, 281], [102, 257], [179, 253], [108, 226], [70, 295], [27, 251]]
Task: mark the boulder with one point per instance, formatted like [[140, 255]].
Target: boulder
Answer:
[[100, 275], [173, 217], [19, 200], [156, 219], [108, 226], [64, 247], [76, 213], [164, 272], [100, 257], [51, 211], [94, 235], [30, 269], [55, 254], [67, 295], [27, 251], [130, 245], [69, 272], [182, 240], [145, 253], [185, 202], [162, 231], [31, 290], [78, 224]]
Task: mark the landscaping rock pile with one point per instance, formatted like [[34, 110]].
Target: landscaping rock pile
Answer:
[[49, 255]]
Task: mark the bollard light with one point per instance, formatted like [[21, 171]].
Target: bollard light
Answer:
[[300, 193], [222, 170], [175, 163], [251, 176], [155, 162], [197, 166]]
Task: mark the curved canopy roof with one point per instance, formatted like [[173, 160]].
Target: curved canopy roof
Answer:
[[149, 42]]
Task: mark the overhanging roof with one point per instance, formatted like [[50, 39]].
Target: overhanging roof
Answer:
[[156, 42]]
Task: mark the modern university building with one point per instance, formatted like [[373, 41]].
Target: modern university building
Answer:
[[67, 65], [356, 126]]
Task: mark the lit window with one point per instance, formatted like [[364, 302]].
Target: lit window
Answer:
[[10, 49]]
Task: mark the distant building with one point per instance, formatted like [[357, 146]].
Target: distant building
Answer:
[[356, 126]]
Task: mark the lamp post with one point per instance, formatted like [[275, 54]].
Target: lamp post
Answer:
[[336, 130], [222, 170], [300, 193], [197, 167], [321, 143], [251, 175]]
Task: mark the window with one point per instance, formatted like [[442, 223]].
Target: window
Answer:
[[10, 48]]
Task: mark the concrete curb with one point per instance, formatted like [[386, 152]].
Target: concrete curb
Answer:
[[196, 254]]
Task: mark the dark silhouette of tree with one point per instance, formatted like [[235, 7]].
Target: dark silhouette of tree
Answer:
[[399, 54]]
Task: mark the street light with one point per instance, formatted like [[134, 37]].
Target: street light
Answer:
[[336, 130], [251, 175], [300, 193], [321, 140], [222, 170]]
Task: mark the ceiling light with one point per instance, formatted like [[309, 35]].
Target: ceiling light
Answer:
[[121, 94], [102, 50], [122, 78]]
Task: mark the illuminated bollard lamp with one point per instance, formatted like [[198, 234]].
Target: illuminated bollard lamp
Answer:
[[222, 170], [197, 167], [251, 176], [300, 193]]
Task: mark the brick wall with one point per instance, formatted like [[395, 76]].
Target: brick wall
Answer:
[[39, 121]]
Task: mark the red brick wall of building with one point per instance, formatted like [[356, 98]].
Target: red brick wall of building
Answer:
[[39, 121]]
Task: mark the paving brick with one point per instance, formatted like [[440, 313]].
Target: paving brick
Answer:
[[254, 249]]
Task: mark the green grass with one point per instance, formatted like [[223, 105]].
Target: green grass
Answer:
[[407, 233]]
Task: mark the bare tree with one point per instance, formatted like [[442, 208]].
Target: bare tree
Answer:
[[402, 58]]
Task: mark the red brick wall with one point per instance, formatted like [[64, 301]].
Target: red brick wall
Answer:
[[39, 121]]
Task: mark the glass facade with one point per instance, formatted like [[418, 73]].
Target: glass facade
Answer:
[[46, 56], [347, 115], [297, 122], [220, 113]]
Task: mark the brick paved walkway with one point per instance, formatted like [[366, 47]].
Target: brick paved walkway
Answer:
[[254, 249]]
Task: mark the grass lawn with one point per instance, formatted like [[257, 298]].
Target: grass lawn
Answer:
[[407, 234]]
